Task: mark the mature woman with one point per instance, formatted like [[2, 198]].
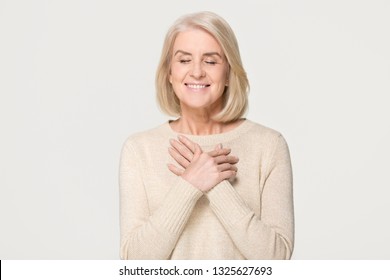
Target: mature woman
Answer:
[[209, 184]]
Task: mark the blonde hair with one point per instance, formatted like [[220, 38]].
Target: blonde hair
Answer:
[[235, 97]]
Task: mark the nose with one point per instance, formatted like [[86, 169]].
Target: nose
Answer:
[[197, 70]]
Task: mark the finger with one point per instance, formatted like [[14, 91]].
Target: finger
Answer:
[[226, 167], [222, 151], [188, 143], [182, 149], [175, 170], [226, 159], [178, 157], [227, 175]]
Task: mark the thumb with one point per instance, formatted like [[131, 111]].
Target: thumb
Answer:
[[197, 151], [218, 147]]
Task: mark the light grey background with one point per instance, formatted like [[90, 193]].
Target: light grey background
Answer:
[[77, 77]]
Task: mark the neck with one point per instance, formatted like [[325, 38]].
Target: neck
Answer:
[[198, 121], [201, 124], [198, 126]]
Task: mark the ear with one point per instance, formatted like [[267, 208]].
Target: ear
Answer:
[[227, 76], [170, 76]]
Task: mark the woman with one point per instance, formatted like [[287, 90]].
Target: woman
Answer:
[[210, 184]]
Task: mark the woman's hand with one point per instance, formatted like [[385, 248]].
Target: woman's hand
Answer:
[[203, 170]]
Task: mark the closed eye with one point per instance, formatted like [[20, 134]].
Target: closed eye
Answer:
[[211, 62], [184, 61]]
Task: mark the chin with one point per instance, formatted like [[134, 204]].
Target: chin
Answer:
[[198, 105]]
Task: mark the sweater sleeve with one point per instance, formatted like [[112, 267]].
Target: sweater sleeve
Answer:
[[146, 235], [270, 236]]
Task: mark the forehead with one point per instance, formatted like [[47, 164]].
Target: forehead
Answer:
[[196, 41]]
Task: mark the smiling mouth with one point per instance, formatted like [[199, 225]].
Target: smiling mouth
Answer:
[[196, 86]]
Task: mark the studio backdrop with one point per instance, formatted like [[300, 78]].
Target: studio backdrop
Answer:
[[77, 78]]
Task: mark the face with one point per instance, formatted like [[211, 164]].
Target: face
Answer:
[[199, 71]]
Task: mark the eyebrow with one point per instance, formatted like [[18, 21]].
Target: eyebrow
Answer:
[[205, 54]]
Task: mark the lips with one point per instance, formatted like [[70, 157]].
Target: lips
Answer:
[[196, 86]]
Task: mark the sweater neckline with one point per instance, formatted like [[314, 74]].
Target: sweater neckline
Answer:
[[212, 139]]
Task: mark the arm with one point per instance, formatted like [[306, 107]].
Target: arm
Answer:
[[270, 236], [146, 235]]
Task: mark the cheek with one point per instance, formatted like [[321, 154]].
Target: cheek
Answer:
[[221, 77], [221, 74], [176, 72]]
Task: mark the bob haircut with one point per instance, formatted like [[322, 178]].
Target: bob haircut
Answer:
[[235, 96]]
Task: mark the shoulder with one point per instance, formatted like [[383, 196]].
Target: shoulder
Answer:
[[146, 138], [270, 141], [265, 133]]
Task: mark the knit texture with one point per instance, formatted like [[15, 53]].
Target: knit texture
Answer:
[[162, 216]]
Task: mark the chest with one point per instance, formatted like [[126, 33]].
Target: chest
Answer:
[[251, 175]]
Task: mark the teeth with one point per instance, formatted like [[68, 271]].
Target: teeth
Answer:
[[196, 86]]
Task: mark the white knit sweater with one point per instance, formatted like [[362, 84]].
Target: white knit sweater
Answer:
[[163, 216]]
